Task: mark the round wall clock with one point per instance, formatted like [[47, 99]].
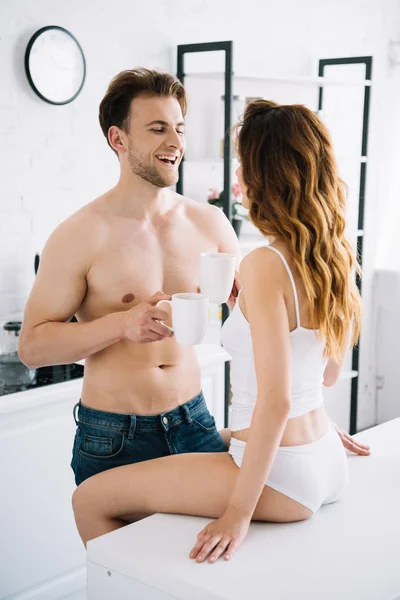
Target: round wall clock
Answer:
[[55, 65]]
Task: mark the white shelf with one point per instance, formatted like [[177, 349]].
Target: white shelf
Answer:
[[348, 375], [342, 157], [320, 81]]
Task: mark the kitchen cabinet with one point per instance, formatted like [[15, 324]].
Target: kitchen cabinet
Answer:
[[41, 554]]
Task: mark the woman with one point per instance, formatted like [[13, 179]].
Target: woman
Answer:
[[287, 336]]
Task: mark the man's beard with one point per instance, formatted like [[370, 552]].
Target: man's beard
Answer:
[[148, 172]]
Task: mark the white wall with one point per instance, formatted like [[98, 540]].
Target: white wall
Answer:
[[53, 159]]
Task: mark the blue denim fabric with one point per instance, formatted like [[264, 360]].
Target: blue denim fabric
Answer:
[[105, 440]]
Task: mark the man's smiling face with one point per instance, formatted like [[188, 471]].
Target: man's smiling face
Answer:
[[156, 139]]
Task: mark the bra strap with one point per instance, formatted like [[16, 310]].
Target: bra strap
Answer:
[[289, 272]]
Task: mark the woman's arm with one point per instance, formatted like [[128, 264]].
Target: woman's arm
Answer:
[[332, 372], [331, 375], [267, 316], [263, 282], [334, 366]]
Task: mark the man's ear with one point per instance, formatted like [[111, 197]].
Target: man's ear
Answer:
[[117, 139]]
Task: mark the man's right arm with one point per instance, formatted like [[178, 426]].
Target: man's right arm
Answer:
[[48, 338]]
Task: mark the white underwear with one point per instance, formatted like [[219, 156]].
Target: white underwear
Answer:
[[312, 474]]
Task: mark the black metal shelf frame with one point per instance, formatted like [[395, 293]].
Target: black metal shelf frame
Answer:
[[367, 61], [226, 47]]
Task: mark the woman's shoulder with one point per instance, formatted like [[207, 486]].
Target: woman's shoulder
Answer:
[[263, 262], [264, 281]]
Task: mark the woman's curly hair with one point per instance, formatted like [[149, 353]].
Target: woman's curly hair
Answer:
[[295, 192]]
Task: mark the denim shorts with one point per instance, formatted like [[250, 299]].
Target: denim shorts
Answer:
[[105, 440]]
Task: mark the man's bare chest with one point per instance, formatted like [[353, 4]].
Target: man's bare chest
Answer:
[[130, 270]]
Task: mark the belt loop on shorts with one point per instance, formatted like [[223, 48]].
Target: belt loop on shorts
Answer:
[[187, 415], [74, 412], [132, 427]]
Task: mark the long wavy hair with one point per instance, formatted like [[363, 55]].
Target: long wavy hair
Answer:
[[295, 192]]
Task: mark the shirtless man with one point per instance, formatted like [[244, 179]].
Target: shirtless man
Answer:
[[141, 395]]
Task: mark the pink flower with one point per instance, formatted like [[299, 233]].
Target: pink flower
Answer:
[[213, 194], [236, 190]]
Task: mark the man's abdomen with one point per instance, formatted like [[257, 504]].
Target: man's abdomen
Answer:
[[143, 379]]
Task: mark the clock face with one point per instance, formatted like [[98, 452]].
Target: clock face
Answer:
[[55, 65]]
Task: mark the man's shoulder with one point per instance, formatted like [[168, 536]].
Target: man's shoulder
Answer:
[[86, 220], [81, 232], [201, 210]]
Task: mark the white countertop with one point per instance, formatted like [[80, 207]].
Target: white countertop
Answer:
[[349, 549]]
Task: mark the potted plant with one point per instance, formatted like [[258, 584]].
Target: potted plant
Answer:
[[216, 198]]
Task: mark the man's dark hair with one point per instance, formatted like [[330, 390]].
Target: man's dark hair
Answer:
[[115, 107]]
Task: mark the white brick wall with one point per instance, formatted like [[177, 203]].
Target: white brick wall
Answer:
[[54, 159]]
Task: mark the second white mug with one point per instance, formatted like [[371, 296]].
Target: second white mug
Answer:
[[217, 274], [189, 317]]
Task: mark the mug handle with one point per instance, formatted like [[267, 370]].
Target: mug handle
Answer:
[[168, 302]]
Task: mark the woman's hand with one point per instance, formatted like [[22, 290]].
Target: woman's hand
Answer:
[[236, 287], [235, 292], [351, 444], [221, 537]]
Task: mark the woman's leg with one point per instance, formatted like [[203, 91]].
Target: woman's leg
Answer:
[[190, 484]]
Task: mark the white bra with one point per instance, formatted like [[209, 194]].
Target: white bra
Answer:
[[307, 364]]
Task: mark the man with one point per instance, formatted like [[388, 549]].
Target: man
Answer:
[[141, 395]]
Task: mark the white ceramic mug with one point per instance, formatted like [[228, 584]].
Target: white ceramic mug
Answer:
[[189, 317], [217, 274]]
